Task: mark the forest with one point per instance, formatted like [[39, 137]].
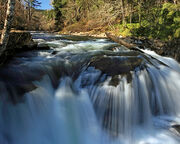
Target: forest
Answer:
[[157, 19]]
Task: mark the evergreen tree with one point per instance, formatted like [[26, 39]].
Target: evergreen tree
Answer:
[[30, 6], [59, 19]]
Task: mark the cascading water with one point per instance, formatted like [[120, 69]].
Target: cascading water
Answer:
[[89, 91]]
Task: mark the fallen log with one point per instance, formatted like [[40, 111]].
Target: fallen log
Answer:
[[120, 41], [130, 46]]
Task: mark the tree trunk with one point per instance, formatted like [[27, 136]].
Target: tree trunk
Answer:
[[29, 12], [123, 13], [130, 15], [139, 11], [7, 25], [175, 1]]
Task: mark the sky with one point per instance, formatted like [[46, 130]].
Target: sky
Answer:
[[45, 4]]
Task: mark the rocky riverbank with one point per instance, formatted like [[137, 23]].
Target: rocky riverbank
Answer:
[[19, 41], [169, 49]]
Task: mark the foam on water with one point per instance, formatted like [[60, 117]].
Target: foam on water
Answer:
[[86, 109]]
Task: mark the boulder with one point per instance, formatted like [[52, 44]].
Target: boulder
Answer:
[[20, 42], [114, 66], [19, 39], [43, 46]]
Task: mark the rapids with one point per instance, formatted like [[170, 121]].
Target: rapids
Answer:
[[58, 97]]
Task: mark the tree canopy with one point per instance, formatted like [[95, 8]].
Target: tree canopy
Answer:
[[154, 19]]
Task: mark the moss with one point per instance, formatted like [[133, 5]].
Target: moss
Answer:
[[177, 33]]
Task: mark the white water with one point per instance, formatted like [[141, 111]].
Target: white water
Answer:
[[82, 111]]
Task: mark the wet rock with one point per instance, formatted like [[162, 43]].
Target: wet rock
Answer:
[[33, 46], [18, 81], [170, 48], [55, 52], [115, 47], [116, 65], [114, 81], [20, 42], [177, 129], [43, 47], [17, 90]]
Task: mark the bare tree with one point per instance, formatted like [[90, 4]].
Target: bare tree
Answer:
[[123, 12], [7, 25]]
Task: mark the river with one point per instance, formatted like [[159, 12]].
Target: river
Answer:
[[89, 91]]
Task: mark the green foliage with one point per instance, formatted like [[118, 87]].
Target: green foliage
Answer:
[[49, 14], [161, 23], [153, 19], [177, 33], [122, 30]]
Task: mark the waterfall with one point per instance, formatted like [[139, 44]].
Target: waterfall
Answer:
[[58, 97]]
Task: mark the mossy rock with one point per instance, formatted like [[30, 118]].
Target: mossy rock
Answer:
[[115, 66], [19, 39], [20, 42]]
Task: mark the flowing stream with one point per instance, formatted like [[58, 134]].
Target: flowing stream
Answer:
[[89, 91]]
